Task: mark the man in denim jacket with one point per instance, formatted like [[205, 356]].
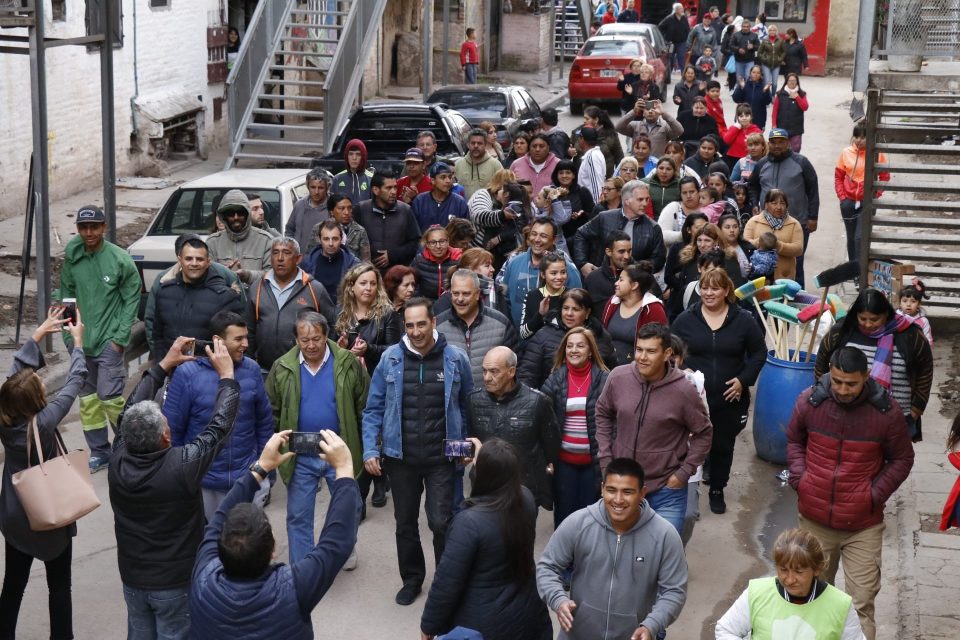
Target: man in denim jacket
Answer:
[[418, 398]]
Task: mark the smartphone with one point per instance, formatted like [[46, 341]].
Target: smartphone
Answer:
[[458, 448], [197, 348], [305, 443], [69, 310]]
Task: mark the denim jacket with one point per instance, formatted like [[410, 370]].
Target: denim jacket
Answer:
[[382, 415]]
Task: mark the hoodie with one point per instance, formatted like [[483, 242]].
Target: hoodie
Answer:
[[675, 428], [619, 581], [250, 245], [354, 184]]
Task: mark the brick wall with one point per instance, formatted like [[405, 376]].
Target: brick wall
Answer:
[[525, 41], [171, 57]]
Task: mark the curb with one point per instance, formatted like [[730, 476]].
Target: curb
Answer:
[[556, 101]]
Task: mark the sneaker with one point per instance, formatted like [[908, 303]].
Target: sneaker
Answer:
[[98, 462], [407, 594], [351, 562], [717, 503]]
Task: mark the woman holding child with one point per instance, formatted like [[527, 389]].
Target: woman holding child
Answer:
[[775, 218]]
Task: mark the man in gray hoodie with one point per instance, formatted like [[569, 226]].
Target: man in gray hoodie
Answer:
[[628, 565], [242, 247]]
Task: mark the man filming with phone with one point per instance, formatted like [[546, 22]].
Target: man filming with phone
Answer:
[[648, 117], [237, 591], [315, 385]]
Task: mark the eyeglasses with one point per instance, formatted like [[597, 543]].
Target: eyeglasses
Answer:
[[437, 243], [605, 188]]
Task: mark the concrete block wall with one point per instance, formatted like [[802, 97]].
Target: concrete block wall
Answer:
[[525, 42], [171, 56]]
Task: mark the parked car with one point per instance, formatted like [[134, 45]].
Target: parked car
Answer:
[[388, 129], [191, 208], [593, 74], [510, 108], [649, 32]]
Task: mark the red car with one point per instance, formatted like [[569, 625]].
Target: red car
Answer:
[[593, 74]]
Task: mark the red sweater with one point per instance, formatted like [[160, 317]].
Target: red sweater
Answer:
[[736, 139], [948, 519], [469, 53]]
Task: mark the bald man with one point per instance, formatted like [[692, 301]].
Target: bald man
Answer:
[[512, 411]]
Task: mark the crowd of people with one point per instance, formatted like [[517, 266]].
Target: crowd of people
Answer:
[[569, 313]]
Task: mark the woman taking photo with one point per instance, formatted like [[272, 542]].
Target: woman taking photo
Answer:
[[433, 262], [663, 185], [899, 355], [538, 356], [574, 385], [486, 579], [577, 200], [366, 321], [23, 399], [774, 218], [400, 283], [674, 214], [609, 141], [797, 593], [542, 305], [726, 344], [489, 218], [632, 307]]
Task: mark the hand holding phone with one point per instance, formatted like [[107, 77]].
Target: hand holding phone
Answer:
[[458, 449], [69, 311], [305, 443]]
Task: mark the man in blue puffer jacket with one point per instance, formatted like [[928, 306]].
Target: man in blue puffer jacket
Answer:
[[189, 402]]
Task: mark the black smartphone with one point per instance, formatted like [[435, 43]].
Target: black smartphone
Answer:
[[305, 443], [197, 348], [458, 448], [69, 311]]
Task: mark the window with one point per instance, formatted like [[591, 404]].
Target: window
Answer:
[[94, 22], [58, 11], [611, 48], [780, 10], [192, 211], [159, 4]]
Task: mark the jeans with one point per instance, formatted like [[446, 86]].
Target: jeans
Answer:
[[407, 482], [806, 241], [693, 511], [679, 55], [850, 214], [728, 419], [16, 574], [162, 614], [212, 498], [575, 486], [308, 473], [743, 70], [470, 73], [670, 504], [770, 76]]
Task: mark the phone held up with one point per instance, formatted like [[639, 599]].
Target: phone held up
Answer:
[[69, 311], [458, 449], [197, 348], [305, 443]]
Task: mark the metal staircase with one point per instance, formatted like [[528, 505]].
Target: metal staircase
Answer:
[[567, 32], [296, 77]]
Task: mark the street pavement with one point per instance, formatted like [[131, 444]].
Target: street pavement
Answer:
[[920, 569]]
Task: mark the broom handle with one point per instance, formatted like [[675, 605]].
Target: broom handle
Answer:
[[800, 340], [816, 325], [763, 319]]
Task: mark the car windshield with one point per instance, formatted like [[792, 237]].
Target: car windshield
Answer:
[[191, 210], [389, 135], [611, 48], [473, 103]]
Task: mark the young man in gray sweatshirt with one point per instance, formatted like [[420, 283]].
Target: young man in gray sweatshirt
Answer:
[[628, 565]]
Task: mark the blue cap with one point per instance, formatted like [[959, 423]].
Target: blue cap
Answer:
[[778, 133], [90, 213]]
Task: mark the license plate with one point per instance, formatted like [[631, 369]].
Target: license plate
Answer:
[[608, 73]]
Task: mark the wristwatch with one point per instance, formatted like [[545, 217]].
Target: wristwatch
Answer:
[[257, 469]]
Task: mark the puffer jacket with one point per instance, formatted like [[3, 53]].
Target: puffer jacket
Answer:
[[588, 244], [536, 360], [556, 388], [847, 459], [432, 272], [271, 329], [189, 406], [250, 245], [490, 329], [662, 194], [524, 418], [472, 587], [185, 309]]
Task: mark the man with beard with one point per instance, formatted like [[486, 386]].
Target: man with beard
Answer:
[[242, 247]]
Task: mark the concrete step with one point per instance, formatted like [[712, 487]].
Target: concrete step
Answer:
[[919, 149], [915, 205], [911, 221], [289, 143], [919, 167], [274, 158]]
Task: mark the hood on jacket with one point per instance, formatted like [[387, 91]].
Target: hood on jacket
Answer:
[[356, 144], [599, 513], [135, 470], [232, 200], [872, 392]]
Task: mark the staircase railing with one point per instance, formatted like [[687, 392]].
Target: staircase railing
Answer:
[[251, 66], [342, 85]]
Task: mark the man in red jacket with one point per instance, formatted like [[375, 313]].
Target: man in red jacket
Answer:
[[849, 449]]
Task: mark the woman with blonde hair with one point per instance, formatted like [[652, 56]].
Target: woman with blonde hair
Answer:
[[486, 212], [637, 84], [609, 195], [366, 321], [794, 604]]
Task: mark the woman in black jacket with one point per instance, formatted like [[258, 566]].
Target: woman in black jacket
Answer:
[[486, 579], [539, 353], [725, 343], [366, 321], [23, 399], [681, 263], [685, 91], [579, 374], [578, 198], [795, 59], [696, 124]]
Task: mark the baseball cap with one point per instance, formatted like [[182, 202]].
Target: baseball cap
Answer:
[[777, 133], [183, 239], [90, 213], [438, 168], [413, 154]]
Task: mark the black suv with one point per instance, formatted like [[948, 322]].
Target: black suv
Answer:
[[388, 129]]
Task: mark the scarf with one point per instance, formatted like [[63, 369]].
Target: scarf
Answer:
[[881, 371], [775, 223]]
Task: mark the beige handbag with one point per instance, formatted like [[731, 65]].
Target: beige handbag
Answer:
[[58, 491]]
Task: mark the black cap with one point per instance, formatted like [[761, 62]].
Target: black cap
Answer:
[[90, 213], [589, 134], [182, 240]]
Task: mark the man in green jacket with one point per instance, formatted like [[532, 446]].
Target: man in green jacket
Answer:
[[106, 284], [316, 385]]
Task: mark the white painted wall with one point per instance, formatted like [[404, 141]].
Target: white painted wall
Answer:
[[171, 56]]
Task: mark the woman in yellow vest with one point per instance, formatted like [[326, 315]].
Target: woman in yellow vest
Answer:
[[794, 605]]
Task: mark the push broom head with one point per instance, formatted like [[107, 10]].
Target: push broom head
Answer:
[[803, 297], [810, 312], [792, 287], [782, 311], [836, 275], [837, 306], [771, 292], [749, 288]]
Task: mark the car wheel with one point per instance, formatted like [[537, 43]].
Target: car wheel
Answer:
[[576, 107]]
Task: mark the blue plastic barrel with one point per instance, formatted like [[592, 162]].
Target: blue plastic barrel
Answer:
[[779, 385]]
